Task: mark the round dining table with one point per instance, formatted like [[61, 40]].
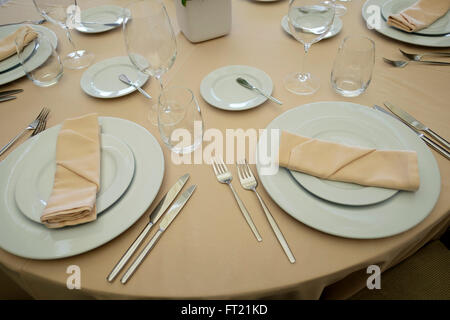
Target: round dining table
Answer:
[[208, 252]]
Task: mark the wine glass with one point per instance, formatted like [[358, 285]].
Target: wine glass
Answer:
[[150, 42], [60, 13], [309, 21]]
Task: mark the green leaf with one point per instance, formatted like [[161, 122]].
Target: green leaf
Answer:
[[183, 2]]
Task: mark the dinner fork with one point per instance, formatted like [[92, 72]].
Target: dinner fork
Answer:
[[249, 182], [401, 63], [224, 176], [31, 126], [418, 57], [42, 123]]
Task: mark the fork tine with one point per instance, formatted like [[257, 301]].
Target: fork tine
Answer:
[[42, 122], [241, 165], [213, 162], [224, 166], [40, 113], [249, 170], [239, 170]]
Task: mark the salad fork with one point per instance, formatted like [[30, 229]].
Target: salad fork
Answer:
[[418, 57], [401, 63], [42, 123], [32, 126], [224, 176], [249, 182]]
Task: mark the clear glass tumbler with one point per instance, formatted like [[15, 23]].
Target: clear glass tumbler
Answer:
[[39, 59], [180, 120], [353, 66]]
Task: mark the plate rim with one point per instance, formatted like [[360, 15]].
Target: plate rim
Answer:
[[102, 28]]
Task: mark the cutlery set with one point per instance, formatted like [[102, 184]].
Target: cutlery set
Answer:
[[442, 146], [37, 125], [8, 94], [249, 182], [156, 214], [417, 58]]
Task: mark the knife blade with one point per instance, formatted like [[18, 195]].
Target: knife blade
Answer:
[[409, 119], [7, 98], [10, 92], [153, 218], [168, 218], [427, 140]]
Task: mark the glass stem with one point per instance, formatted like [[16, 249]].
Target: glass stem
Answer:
[[69, 37], [306, 48]]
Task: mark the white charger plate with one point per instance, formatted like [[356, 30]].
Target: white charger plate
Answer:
[[25, 238], [347, 131], [38, 58], [412, 38], [101, 14], [439, 27], [395, 215], [37, 171], [335, 28], [101, 80], [220, 89]]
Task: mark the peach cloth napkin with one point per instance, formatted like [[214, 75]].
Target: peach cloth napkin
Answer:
[[24, 34], [77, 176], [420, 15], [365, 166]]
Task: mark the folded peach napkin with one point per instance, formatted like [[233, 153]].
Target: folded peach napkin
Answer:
[[77, 176], [24, 34], [420, 15], [393, 169]]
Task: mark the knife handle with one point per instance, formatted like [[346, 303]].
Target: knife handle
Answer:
[[438, 138], [141, 257], [436, 147], [131, 250]]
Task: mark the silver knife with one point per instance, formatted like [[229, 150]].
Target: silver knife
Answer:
[[10, 92], [427, 140], [7, 98], [410, 120], [168, 218], [154, 217]]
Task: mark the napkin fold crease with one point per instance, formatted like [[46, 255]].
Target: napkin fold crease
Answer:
[[393, 169], [420, 15], [77, 176]]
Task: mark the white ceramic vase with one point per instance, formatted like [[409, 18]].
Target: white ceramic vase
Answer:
[[202, 20]]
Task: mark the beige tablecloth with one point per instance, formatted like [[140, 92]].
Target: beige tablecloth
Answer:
[[208, 251]]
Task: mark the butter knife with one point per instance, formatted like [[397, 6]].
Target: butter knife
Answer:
[[168, 218], [416, 124], [154, 217], [427, 140], [7, 98]]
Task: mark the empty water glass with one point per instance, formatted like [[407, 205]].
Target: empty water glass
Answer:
[[39, 59], [180, 120], [353, 66]]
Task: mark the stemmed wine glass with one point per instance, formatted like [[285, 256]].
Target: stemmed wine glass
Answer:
[[150, 42], [309, 22], [59, 12]]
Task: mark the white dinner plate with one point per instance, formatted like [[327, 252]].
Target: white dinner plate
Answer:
[[335, 28], [439, 27], [390, 217], [37, 171], [101, 80], [220, 89], [347, 131], [37, 58], [101, 14], [417, 39], [25, 238]]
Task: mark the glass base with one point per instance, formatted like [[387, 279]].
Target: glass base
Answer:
[[78, 59], [301, 83], [340, 10]]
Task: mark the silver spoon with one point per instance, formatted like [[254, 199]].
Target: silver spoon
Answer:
[[247, 85], [125, 79]]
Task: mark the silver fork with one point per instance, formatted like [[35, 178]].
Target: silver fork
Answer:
[[31, 126], [42, 123], [224, 176], [249, 182], [401, 63], [418, 57]]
